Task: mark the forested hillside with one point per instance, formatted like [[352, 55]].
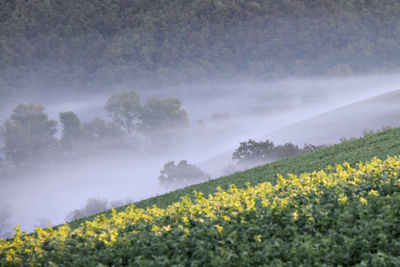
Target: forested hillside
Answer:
[[53, 43]]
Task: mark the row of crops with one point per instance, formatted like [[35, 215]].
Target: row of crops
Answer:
[[380, 145], [341, 215]]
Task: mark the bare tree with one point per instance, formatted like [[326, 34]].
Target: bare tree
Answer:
[[5, 227], [93, 206], [43, 222], [120, 203]]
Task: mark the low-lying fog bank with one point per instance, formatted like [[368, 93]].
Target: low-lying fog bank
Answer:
[[221, 115]]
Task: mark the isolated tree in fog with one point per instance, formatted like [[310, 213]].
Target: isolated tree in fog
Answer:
[[71, 127], [254, 151], [28, 133], [159, 113], [124, 108], [93, 206], [180, 175]]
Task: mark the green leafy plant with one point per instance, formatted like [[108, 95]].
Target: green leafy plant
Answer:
[[341, 215]]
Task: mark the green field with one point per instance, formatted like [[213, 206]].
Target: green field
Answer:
[[344, 215], [380, 145]]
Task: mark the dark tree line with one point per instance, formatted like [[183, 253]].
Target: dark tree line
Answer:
[[247, 155], [70, 43], [29, 134], [157, 113], [267, 151]]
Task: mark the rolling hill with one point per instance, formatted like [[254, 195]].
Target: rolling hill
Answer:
[[322, 213], [350, 121]]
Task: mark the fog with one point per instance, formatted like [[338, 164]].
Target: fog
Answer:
[[313, 110]]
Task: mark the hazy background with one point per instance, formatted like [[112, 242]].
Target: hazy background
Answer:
[[314, 110], [295, 71]]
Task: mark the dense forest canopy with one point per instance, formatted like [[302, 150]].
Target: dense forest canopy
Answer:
[[54, 43]]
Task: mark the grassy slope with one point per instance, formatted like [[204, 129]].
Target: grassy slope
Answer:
[[379, 145]]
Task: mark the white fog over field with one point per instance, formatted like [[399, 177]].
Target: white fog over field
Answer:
[[320, 110]]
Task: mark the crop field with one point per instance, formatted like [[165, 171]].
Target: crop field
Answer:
[[337, 216], [380, 145], [345, 214]]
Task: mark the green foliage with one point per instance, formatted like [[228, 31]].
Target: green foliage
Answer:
[[165, 41], [264, 152], [380, 145], [253, 150], [125, 109], [339, 216], [28, 133], [99, 130], [155, 116], [174, 176], [80, 138], [288, 150], [159, 114], [71, 127]]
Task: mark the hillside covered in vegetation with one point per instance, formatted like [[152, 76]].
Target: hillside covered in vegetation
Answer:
[[57, 44], [345, 214]]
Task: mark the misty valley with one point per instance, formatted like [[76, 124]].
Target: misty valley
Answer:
[[63, 164], [199, 133]]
